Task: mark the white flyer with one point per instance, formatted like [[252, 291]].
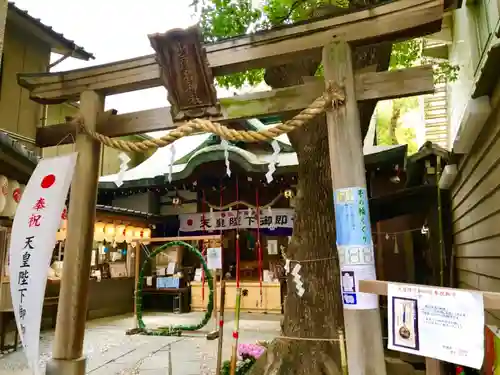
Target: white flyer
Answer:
[[352, 298], [32, 241], [442, 323], [214, 258], [357, 263]]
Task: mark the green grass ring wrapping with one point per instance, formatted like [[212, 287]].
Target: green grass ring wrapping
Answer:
[[174, 330]]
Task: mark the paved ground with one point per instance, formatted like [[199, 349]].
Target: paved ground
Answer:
[[110, 351]]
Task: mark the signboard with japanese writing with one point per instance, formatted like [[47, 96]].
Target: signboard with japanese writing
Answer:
[[224, 220], [33, 239], [442, 323], [355, 247]]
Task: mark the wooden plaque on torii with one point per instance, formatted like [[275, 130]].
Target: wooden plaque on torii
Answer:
[[185, 73]]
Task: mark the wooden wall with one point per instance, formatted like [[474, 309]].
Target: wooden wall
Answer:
[[19, 114], [110, 297], [476, 214]]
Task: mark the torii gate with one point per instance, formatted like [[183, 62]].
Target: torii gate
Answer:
[[195, 97]]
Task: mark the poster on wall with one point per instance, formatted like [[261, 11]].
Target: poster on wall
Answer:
[[214, 258], [225, 220], [33, 239], [355, 247], [272, 247], [442, 323]]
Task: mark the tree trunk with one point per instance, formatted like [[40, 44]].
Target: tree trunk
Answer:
[[393, 124], [318, 313]]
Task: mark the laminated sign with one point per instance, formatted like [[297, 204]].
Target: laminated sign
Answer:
[[33, 239], [442, 323], [355, 247]]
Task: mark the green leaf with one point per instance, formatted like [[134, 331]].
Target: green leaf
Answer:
[[222, 19]]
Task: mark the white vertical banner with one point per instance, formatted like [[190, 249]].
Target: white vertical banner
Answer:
[[32, 241]]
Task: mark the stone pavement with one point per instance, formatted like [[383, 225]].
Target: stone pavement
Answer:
[[109, 351]]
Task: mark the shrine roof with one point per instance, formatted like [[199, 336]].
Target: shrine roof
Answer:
[[126, 211], [155, 169], [57, 41], [16, 161]]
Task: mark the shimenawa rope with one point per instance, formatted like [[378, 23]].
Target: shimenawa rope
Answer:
[[333, 96]]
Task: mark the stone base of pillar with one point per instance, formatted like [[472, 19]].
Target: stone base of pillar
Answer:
[[66, 366]]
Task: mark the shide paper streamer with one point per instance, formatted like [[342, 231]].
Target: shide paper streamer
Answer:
[[274, 160], [171, 165], [124, 160], [225, 146]]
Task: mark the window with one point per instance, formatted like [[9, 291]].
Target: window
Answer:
[[483, 17]]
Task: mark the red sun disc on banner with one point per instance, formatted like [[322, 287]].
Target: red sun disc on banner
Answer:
[[16, 195], [48, 181]]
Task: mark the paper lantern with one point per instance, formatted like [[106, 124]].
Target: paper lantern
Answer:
[[120, 233], [99, 232], [146, 234], [137, 233], [3, 192], [129, 234], [10, 203], [64, 219], [109, 232], [64, 224], [61, 235]]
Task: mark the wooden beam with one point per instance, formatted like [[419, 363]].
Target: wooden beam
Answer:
[[491, 299], [180, 238], [381, 85], [402, 19], [115, 126]]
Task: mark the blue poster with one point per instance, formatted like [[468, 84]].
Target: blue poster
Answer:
[[352, 217]]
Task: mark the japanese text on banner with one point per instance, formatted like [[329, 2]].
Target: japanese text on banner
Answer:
[[354, 245], [352, 217], [33, 239], [225, 220]]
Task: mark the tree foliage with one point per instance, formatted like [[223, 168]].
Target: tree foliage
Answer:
[[221, 19], [389, 127]]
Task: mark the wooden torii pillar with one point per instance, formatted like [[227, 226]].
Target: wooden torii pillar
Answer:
[[401, 19], [67, 355], [365, 350]]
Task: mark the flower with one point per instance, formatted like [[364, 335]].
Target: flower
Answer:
[[250, 350]]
